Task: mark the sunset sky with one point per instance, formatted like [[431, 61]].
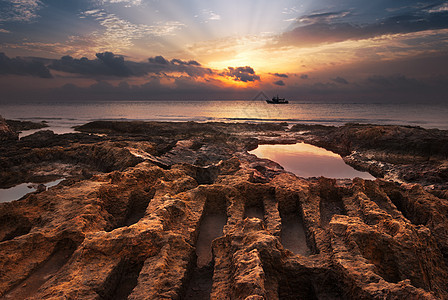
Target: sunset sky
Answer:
[[311, 50]]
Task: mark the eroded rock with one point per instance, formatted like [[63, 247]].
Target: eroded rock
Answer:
[[203, 219], [6, 133]]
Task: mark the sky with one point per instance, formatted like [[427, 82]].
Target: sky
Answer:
[[310, 50]]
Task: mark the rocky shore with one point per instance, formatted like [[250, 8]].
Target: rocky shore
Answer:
[[164, 210]]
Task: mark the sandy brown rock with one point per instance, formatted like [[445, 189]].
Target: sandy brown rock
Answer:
[[197, 217]]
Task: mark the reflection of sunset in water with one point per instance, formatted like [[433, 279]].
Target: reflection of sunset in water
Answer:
[[309, 161]]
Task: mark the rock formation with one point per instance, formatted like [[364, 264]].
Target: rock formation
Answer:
[[182, 211], [6, 133]]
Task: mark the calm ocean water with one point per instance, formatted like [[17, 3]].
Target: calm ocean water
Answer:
[[62, 116]]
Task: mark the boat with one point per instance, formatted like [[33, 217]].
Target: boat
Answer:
[[277, 100]]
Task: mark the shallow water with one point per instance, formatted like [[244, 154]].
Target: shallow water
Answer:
[[20, 190], [306, 160]]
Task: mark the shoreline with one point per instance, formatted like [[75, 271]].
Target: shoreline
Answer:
[[429, 116]]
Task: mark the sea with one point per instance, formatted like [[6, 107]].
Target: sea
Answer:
[[61, 117]]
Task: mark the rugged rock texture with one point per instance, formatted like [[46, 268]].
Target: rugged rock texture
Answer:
[[158, 211], [6, 133], [18, 126]]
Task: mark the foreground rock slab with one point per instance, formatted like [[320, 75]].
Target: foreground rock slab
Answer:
[[182, 211]]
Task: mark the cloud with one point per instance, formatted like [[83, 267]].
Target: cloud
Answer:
[[128, 3], [340, 80], [192, 68], [4, 31], [439, 8], [280, 83], [113, 34], [244, 74], [398, 82], [280, 75], [117, 28], [304, 76], [210, 15], [114, 63], [185, 63], [110, 64], [19, 10], [106, 64], [180, 88], [20, 66], [330, 27], [118, 34], [323, 17], [158, 60]]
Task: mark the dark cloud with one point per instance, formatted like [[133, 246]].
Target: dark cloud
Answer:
[[244, 74], [185, 63], [280, 75], [340, 80], [106, 64], [109, 64], [158, 60], [304, 76], [21, 66], [280, 83], [114, 63], [323, 17], [180, 88], [325, 28], [398, 82]]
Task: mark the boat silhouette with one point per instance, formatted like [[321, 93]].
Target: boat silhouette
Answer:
[[277, 100], [274, 100]]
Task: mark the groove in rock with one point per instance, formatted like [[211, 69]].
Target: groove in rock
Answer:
[[12, 227], [407, 209], [381, 199], [213, 220], [206, 175], [135, 208], [380, 254], [254, 212], [293, 236], [296, 287], [200, 283], [329, 207], [138, 203], [211, 228], [122, 280], [27, 288], [254, 208]]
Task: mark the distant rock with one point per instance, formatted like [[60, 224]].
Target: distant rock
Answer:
[[6, 133], [18, 126]]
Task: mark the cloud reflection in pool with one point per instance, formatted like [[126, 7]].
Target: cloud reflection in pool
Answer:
[[306, 160]]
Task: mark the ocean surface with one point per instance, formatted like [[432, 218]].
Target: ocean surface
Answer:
[[62, 116]]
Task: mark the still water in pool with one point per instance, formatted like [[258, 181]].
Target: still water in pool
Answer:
[[306, 160], [20, 190]]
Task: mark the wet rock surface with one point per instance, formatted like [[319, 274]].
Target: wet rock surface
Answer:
[[182, 211], [6, 132], [18, 126]]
